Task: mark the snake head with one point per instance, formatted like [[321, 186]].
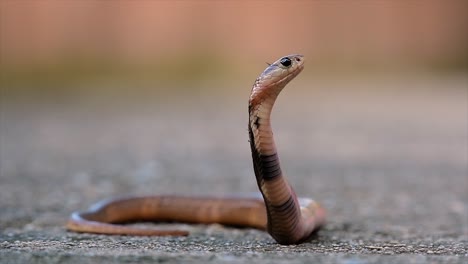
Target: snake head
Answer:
[[280, 72], [275, 77]]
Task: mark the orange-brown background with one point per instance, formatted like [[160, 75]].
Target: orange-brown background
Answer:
[[376, 33]]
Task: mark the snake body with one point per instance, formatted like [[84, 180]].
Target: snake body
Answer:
[[288, 219]]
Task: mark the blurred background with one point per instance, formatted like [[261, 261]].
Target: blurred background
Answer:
[[100, 98], [178, 41]]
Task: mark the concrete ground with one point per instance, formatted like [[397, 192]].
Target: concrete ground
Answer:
[[386, 156]]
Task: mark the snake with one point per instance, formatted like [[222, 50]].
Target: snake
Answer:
[[286, 217]]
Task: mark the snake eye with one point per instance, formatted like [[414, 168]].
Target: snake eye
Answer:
[[286, 62]]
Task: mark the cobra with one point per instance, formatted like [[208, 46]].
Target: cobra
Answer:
[[287, 218]]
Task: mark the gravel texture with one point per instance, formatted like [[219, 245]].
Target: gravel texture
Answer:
[[387, 158]]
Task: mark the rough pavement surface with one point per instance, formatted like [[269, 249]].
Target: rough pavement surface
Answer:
[[386, 157]]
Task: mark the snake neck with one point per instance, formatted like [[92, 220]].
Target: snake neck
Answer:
[[283, 210]]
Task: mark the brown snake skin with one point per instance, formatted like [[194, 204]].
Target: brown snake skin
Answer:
[[287, 219]]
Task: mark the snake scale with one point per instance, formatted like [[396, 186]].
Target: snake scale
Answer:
[[287, 218]]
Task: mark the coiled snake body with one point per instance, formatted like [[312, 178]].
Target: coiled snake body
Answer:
[[287, 219]]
